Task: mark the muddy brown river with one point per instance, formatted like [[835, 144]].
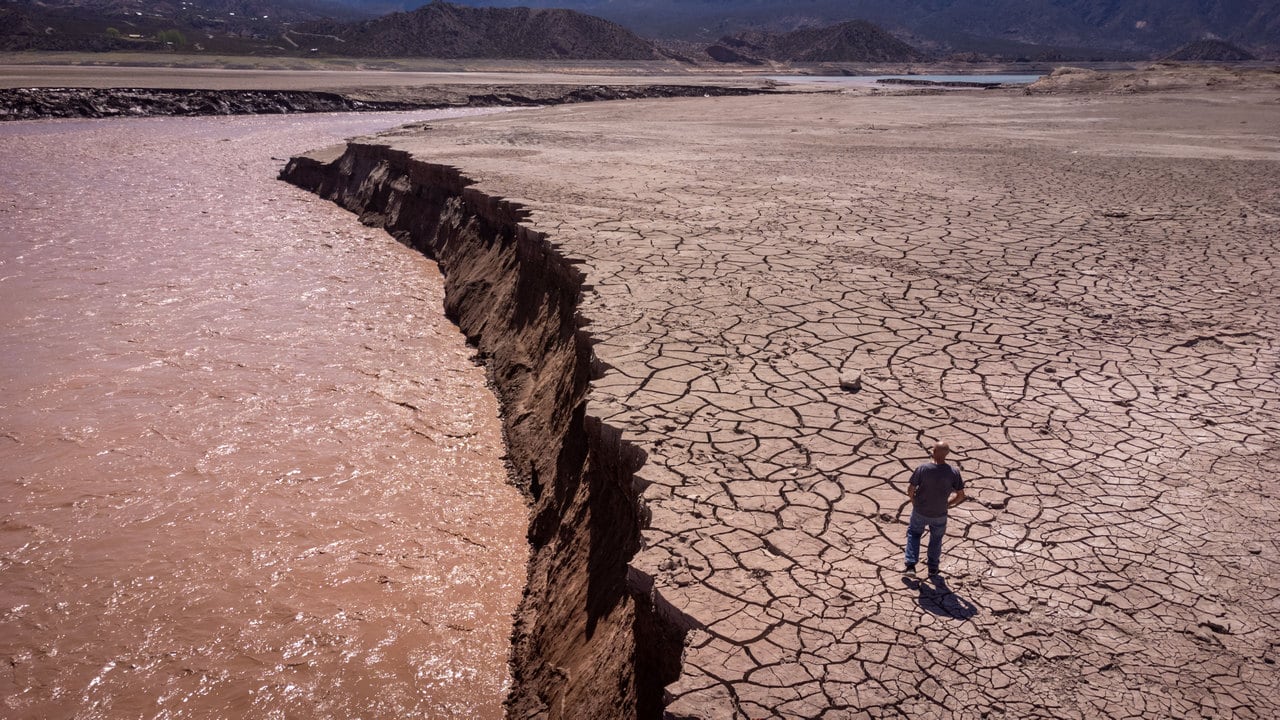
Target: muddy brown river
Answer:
[[247, 467]]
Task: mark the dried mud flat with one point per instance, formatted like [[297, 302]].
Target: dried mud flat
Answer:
[[795, 294]]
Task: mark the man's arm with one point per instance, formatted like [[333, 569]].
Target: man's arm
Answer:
[[911, 491], [959, 498]]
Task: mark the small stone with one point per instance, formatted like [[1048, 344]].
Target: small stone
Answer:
[[851, 381]]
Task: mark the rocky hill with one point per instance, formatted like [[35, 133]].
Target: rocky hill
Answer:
[[443, 30], [24, 27], [248, 27], [311, 27], [852, 41], [1147, 28], [1211, 51]]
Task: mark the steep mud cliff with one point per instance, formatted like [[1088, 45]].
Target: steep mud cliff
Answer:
[[592, 639]]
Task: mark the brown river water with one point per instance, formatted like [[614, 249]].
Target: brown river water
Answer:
[[247, 469]]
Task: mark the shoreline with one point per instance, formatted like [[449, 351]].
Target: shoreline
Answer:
[[472, 66]]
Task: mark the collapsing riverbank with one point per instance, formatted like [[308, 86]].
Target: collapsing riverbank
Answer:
[[36, 103], [592, 638]]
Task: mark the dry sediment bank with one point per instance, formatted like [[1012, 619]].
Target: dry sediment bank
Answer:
[[29, 103], [1079, 293], [1159, 77]]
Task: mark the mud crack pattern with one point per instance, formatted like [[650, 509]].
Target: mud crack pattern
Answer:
[[796, 295]]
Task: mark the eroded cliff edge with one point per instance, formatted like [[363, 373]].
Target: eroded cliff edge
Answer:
[[592, 638], [86, 102]]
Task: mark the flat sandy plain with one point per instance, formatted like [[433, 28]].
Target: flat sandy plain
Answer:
[[1078, 292]]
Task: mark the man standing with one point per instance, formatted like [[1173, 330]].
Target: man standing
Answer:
[[930, 490]]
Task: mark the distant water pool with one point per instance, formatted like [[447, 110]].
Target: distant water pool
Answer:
[[868, 80]]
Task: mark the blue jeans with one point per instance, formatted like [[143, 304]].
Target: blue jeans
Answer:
[[915, 530]]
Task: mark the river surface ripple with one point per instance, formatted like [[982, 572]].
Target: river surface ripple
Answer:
[[246, 467]]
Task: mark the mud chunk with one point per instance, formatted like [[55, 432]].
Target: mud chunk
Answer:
[[851, 381]]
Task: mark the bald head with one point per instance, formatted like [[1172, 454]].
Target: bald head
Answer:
[[940, 451]]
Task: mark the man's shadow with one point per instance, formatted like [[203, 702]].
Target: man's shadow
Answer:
[[936, 597]]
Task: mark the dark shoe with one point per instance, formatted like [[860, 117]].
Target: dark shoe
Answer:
[[933, 570], [910, 568]]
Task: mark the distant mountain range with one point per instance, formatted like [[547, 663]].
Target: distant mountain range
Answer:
[[738, 31], [445, 30], [1146, 28], [442, 30], [436, 30], [852, 41]]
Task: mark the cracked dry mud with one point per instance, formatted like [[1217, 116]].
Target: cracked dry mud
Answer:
[[1080, 294]]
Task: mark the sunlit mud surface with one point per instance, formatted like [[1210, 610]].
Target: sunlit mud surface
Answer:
[[248, 468]]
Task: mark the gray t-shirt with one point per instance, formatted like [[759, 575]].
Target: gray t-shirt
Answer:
[[934, 485]]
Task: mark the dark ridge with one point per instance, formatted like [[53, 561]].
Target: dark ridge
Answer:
[[33, 103], [592, 638], [723, 54], [1211, 51], [852, 41], [442, 30]]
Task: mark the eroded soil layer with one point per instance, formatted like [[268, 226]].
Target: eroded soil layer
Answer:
[[40, 102], [791, 296], [588, 642]]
